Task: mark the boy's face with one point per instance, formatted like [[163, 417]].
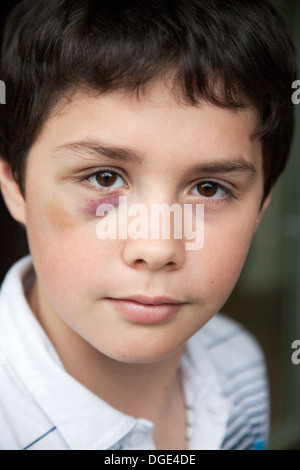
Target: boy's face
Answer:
[[152, 150]]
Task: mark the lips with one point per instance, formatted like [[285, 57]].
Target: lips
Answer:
[[146, 310]]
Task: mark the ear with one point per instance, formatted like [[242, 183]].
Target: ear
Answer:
[[262, 210], [11, 193]]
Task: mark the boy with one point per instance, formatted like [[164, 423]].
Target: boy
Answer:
[[114, 343]]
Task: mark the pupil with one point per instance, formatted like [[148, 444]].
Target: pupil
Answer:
[[106, 179], [207, 189]]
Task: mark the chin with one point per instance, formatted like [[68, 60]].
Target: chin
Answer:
[[142, 355]]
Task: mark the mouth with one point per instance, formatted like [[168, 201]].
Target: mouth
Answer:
[[146, 310]]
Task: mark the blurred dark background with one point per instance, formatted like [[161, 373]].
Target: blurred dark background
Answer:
[[267, 297], [13, 242]]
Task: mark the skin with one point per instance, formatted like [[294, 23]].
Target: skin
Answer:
[[135, 367]]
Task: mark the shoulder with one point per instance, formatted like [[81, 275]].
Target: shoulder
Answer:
[[240, 365]]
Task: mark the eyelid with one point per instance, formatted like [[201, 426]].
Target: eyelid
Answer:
[[96, 170]]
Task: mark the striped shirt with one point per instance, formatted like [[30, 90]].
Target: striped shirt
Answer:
[[43, 408]]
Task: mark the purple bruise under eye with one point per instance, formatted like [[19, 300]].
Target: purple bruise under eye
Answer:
[[92, 205]]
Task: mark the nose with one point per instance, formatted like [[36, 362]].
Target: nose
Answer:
[[154, 255]]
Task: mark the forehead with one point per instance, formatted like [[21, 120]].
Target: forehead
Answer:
[[154, 125]]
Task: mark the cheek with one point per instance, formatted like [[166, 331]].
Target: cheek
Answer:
[[217, 266], [50, 226], [63, 243], [59, 219]]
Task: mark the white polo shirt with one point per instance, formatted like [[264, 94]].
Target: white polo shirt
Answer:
[[43, 408]]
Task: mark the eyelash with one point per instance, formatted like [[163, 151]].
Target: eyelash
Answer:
[[208, 200]]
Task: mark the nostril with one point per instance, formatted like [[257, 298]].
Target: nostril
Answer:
[[154, 254], [171, 263]]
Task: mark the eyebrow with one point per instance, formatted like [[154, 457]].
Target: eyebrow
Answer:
[[234, 165], [86, 149]]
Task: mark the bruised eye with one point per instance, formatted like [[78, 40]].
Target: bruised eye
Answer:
[[107, 179], [210, 190]]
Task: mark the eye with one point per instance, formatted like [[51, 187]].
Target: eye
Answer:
[[210, 190], [106, 179]]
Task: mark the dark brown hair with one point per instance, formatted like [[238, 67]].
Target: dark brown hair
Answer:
[[52, 47]]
